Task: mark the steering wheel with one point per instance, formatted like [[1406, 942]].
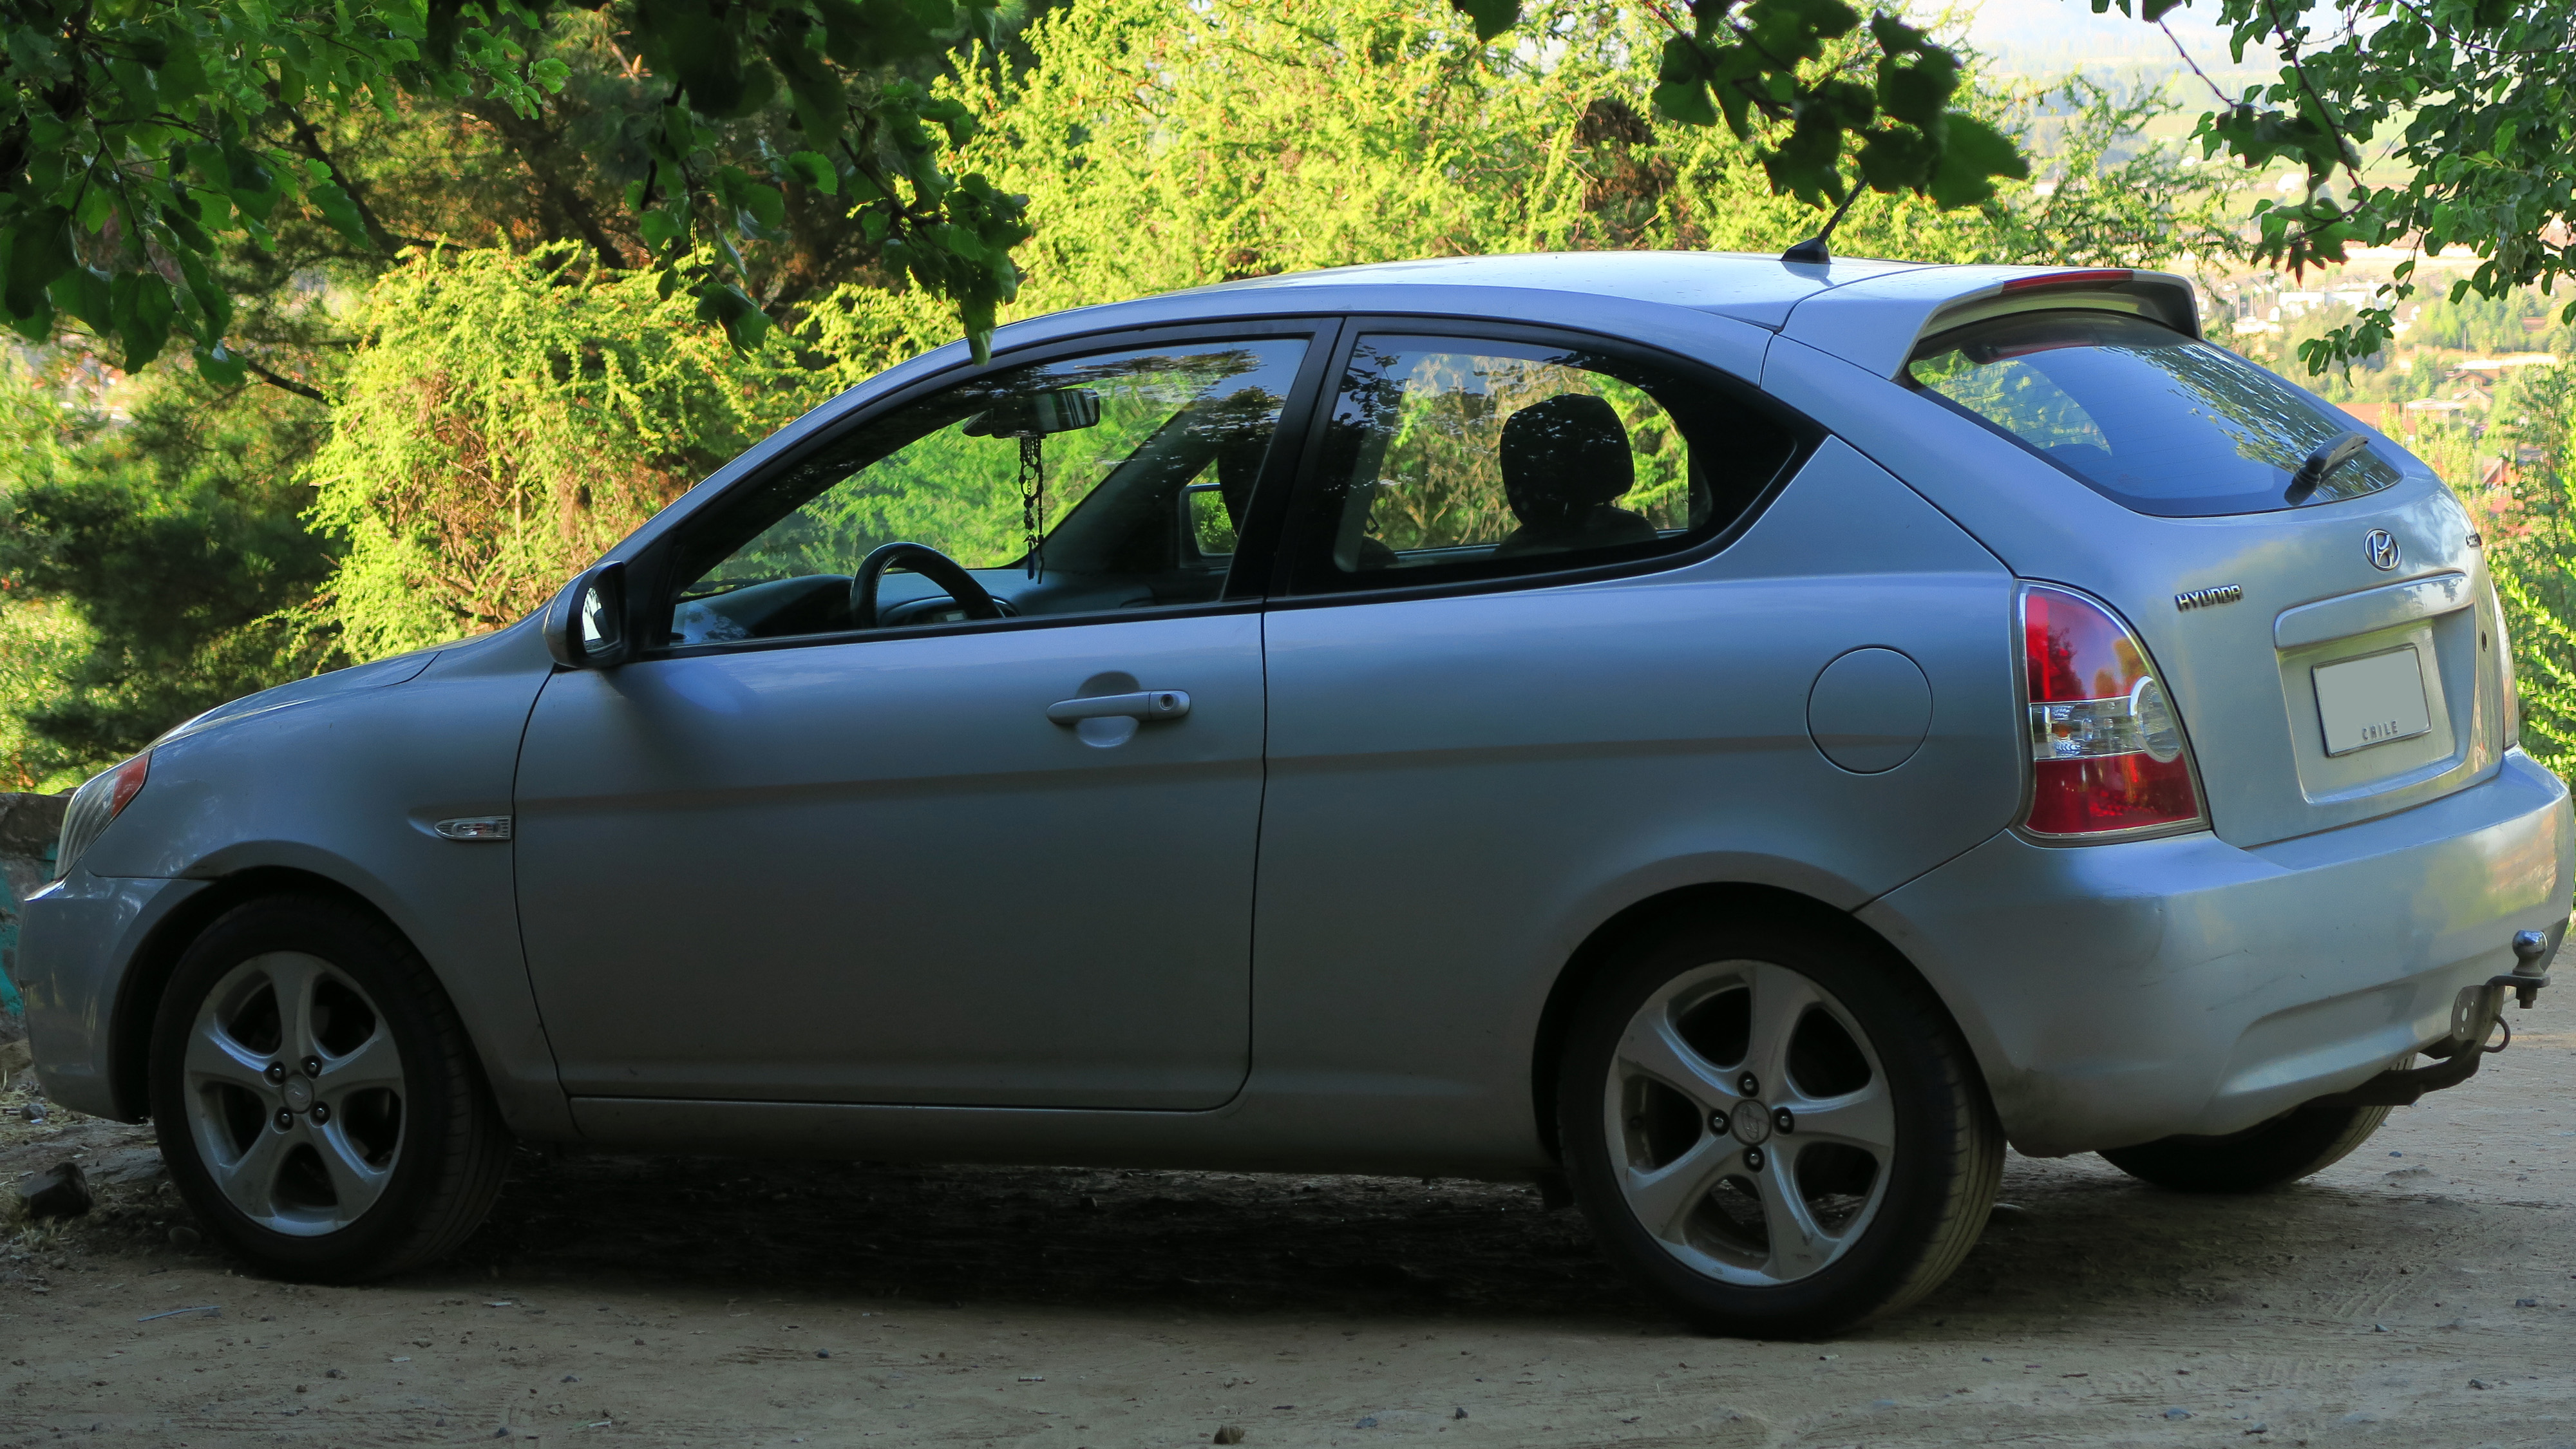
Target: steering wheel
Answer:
[[926, 561]]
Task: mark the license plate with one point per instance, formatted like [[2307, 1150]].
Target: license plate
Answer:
[[2373, 700]]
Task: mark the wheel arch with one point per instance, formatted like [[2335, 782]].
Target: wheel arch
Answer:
[[1721, 899], [147, 974]]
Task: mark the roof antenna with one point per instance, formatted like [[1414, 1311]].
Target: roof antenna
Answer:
[[1813, 248]]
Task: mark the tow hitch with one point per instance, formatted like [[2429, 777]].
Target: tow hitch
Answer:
[[2475, 1014]]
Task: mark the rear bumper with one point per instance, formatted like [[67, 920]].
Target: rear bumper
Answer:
[[2116, 994], [80, 936]]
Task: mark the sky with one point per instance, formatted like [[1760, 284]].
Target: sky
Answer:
[[2056, 35]]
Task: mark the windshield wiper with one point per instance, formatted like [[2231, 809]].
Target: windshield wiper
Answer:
[[2331, 454]]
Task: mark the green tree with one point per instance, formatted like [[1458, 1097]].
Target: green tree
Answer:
[[139, 137], [508, 417], [1781, 76], [2434, 123], [155, 568], [2534, 559], [1163, 145]]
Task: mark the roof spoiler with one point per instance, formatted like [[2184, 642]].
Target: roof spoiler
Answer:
[[2156, 296]]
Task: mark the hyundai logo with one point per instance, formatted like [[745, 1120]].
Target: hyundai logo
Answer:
[[2381, 545]]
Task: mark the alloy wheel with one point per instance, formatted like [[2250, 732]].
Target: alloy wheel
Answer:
[[1751, 1125], [294, 1094]]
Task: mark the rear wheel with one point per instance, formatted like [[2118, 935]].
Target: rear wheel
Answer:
[[1777, 1131], [2277, 1153], [316, 1099]]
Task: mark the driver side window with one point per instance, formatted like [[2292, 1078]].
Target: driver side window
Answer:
[[1105, 482]]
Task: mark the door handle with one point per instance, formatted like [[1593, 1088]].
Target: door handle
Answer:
[[1149, 704]]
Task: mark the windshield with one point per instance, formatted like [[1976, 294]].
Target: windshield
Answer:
[[2144, 415]]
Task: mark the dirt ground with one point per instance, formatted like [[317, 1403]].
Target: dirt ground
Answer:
[[2420, 1290]]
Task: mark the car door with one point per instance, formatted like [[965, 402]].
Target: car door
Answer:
[[1552, 614], [819, 847]]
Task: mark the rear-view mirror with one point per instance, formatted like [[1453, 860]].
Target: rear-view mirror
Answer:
[[1058, 410]]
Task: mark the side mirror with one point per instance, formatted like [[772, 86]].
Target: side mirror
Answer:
[[585, 625], [1206, 532]]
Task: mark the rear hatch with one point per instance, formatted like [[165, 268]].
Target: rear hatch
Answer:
[[2332, 691], [2314, 599]]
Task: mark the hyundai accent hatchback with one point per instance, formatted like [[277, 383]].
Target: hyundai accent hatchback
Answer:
[[1743, 739]]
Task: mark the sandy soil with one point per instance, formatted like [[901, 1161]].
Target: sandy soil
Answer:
[[2420, 1290]]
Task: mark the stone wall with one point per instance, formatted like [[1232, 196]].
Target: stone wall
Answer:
[[28, 826]]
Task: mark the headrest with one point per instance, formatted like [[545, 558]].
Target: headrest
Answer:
[[1564, 457]]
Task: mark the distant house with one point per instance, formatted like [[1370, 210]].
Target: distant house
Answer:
[[2369, 413]]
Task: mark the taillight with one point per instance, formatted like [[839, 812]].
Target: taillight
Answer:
[[2506, 677], [2104, 743], [94, 805]]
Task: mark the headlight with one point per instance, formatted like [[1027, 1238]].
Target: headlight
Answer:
[[98, 802]]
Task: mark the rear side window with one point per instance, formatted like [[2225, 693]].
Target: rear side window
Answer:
[[2146, 416], [1451, 459]]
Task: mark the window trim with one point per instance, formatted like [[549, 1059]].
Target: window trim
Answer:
[[648, 599], [1307, 578]]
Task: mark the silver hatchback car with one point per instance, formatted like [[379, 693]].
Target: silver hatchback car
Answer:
[[1739, 739]]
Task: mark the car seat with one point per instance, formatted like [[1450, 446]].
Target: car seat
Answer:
[[1565, 466]]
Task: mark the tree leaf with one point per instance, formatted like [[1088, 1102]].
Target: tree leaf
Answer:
[[743, 322], [180, 74], [221, 367], [84, 294], [141, 306], [40, 249], [184, 226], [810, 168], [1973, 154], [1492, 17], [1681, 93], [338, 210], [690, 41], [212, 300]]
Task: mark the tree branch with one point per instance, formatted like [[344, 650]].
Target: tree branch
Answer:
[[288, 384], [310, 141], [2219, 95], [527, 138]]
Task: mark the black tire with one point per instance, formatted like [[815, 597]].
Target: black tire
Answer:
[[448, 1150], [2258, 1159], [1926, 1196]]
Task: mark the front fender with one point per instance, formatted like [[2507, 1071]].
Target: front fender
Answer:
[[344, 790]]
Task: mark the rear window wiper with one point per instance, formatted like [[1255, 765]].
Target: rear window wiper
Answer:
[[2329, 455]]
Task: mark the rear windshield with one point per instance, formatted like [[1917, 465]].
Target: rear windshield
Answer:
[[2144, 415]]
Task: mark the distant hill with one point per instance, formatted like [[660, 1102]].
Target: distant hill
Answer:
[[2044, 39]]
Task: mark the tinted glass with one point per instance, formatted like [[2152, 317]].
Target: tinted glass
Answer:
[[1065, 487], [2144, 415], [1452, 458]]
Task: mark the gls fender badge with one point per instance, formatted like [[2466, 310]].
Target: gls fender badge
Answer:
[[2380, 546], [2209, 598]]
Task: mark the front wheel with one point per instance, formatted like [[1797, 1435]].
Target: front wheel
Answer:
[[317, 1102], [1778, 1131]]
